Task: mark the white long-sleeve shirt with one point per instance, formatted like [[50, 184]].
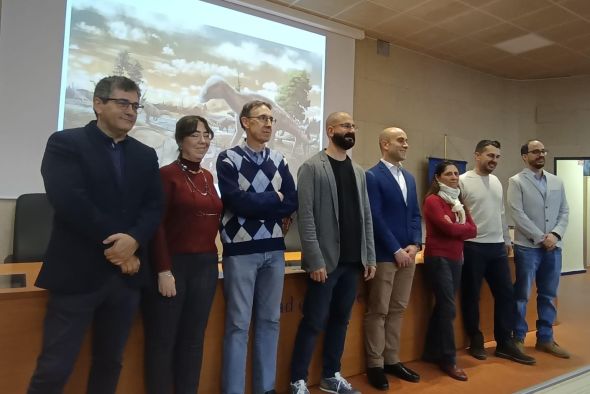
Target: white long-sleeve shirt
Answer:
[[483, 197]]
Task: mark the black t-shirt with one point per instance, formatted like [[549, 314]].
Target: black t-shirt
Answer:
[[349, 218]]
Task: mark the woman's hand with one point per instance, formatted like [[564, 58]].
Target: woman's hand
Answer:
[[447, 218], [166, 284]]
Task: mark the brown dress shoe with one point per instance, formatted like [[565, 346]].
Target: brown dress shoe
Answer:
[[453, 371]]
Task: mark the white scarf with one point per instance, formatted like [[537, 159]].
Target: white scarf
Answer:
[[451, 196]]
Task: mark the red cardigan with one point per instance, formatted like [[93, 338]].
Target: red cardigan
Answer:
[[444, 239], [184, 228]]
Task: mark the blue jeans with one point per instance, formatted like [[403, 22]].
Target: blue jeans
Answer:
[[252, 282], [545, 268], [327, 307]]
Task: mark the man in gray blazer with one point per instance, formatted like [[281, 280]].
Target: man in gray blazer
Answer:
[[540, 212], [336, 234]]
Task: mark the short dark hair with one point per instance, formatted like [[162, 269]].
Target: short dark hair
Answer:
[[524, 149], [188, 125], [481, 145], [105, 86], [251, 105]]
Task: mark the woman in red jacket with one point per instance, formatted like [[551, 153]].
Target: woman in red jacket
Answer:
[[184, 261], [448, 224]]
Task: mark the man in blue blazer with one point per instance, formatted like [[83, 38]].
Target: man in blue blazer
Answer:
[[540, 212], [398, 237], [105, 189]]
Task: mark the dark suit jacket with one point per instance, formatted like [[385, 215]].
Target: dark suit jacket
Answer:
[[395, 224], [90, 204]]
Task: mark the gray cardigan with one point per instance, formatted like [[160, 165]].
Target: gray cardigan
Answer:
[[318, 215], [535, 214]]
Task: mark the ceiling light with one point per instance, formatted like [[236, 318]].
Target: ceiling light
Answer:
[[523, 44]]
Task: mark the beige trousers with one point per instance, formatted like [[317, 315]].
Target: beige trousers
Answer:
[[388, 296]]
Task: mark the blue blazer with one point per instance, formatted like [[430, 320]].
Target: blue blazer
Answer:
[[91, 203], [395, 224]]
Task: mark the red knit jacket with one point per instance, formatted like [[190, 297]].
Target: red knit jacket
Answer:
[[191, 220], [444, 239]]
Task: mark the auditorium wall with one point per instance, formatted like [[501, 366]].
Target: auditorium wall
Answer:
[[430, 98]]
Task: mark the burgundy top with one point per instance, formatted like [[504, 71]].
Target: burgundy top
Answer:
[[444, 239], [191, 214]]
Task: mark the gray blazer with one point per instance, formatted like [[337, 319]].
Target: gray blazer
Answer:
[[318, 215], [535, 214]]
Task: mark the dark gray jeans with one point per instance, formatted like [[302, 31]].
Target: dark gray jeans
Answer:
[[444, 276], [175, 326]]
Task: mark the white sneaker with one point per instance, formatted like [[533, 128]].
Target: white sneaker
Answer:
[[299, 387], [337, 385]]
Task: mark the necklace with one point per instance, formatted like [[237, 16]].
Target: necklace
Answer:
[[189, 182]]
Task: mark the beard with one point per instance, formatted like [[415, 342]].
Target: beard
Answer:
[[344, 141], [538, 164]]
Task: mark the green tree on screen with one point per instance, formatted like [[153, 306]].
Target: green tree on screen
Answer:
[[294, 96]]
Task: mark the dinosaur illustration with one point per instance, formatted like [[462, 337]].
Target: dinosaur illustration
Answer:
[[217, 88]]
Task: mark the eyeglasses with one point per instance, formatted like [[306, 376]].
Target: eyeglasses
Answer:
[[206, 135], [264, 118], [124, 103], [538, 152], [349, 126]]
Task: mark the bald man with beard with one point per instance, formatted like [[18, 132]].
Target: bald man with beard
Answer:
[[398, 237], [336, 234]]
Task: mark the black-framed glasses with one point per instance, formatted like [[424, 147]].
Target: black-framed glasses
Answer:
[[349, 126], [264, 118], [123, 103], [539, 152]]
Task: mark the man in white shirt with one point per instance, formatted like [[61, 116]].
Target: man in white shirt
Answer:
[[486, 256]]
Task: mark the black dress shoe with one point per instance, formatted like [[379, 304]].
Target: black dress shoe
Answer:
[[402, 372], [476, 348], [478, 352], [377, 378]]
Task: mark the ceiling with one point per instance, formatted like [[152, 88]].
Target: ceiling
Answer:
[[466, 31]]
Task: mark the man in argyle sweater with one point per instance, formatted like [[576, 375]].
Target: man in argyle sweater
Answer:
[[258, 194]]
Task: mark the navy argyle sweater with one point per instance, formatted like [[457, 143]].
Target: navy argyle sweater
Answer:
[[252, 210]]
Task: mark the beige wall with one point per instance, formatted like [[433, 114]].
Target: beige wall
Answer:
[[430, 98], [6, 227], [563, 116]]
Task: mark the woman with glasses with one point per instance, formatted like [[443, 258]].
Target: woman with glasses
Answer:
[[184, 262], [448, 224]]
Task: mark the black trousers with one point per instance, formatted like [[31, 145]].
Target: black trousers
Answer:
[[444, 276], [175, 326], [489, 261], [111, 310]]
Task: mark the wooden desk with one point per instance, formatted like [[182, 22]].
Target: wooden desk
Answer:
[[22, 312]]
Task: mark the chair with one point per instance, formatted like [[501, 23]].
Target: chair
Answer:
[[32, 228]]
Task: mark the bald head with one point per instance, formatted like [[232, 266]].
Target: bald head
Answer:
[[388, 134], [393, 143], [336, 118]]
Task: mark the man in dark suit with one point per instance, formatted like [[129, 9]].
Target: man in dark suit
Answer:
[[105, 189], [398, 237]]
